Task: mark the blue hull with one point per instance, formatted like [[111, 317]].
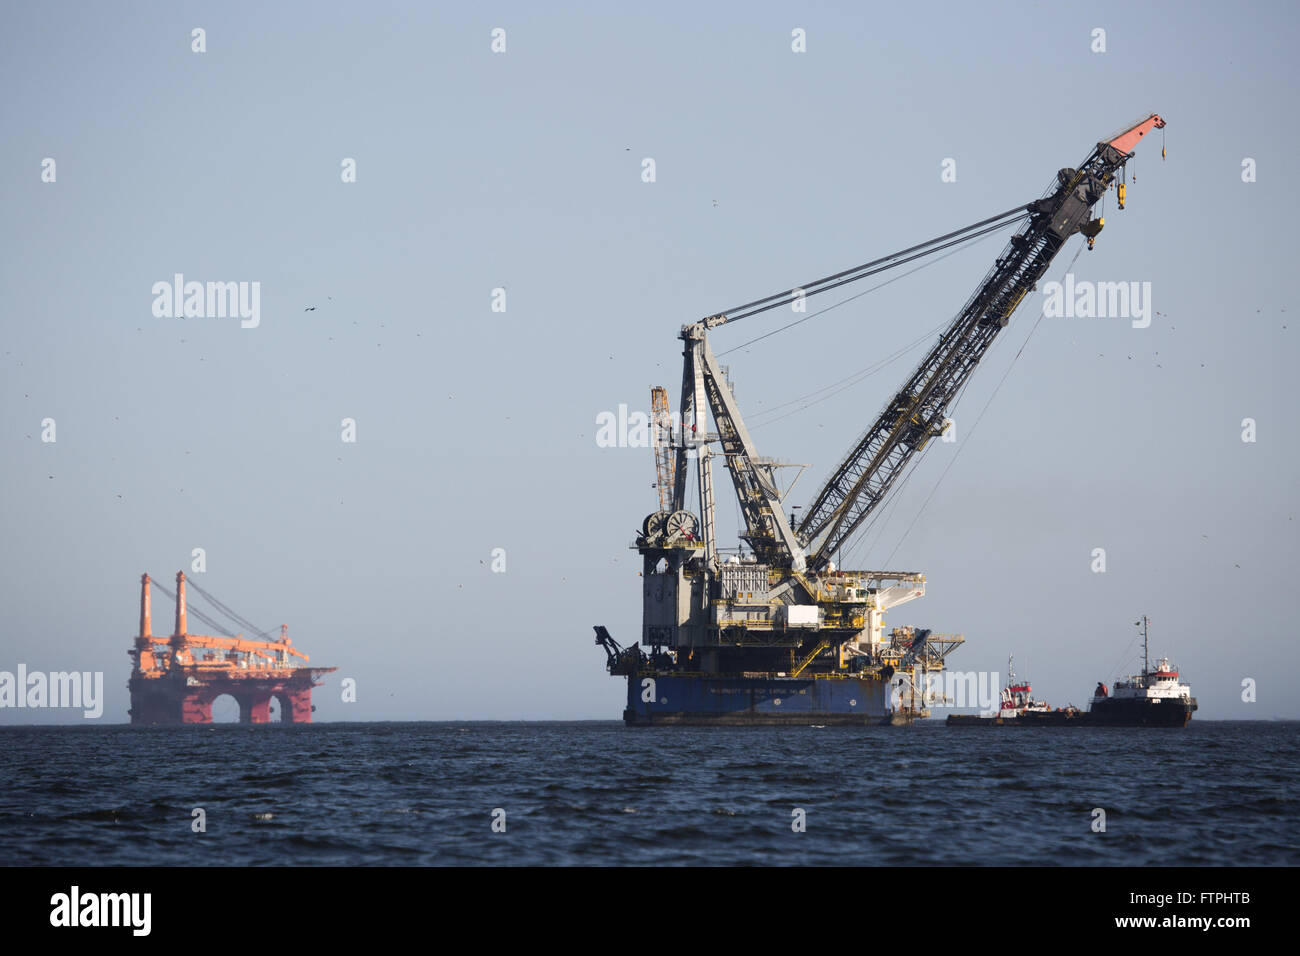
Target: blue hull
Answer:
[[702, 699]]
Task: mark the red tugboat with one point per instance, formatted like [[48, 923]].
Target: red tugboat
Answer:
[[1017, 698], [1017, 708], [1154, 698]]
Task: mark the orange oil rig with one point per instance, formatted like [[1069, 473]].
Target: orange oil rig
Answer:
[[176, 678]]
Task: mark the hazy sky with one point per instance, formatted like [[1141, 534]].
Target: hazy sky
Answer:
[[476, 429]]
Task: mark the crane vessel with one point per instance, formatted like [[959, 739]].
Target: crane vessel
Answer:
[[777, 634]]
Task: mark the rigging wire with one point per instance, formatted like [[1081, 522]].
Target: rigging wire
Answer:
[[861, 374], [849, 380], [968, 235], [858, 378], [827, 283], [978, 419], [860, 536], [857, 541], [1114, 671], [956, 245], [218, 628], [893, 506], [243, 622], [974, 241]]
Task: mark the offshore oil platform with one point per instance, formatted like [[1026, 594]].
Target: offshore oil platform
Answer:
[[773, 632], [176, 678]]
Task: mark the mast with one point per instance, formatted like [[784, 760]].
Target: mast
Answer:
[[1146, 648], [1146, 655]]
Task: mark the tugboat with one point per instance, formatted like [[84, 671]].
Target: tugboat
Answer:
[[1153, 698], [1017, 708]]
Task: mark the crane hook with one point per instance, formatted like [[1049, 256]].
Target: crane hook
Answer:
[[1091, 229]]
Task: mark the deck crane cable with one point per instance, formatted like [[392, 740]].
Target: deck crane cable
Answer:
[[862, 374], [882, 518], [978, 419], [862, 535], [848, 381], [238, 625], [857, 377], [972, 240], [860, 538], [858, 541], [952, 461], [243, 622], [875, 266], [221, 609], [218, 628], [844, 383]]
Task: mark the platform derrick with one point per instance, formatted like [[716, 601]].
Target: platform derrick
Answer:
[[176, 678], [750, 623]]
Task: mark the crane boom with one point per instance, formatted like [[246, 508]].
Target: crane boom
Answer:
[[916, 413]]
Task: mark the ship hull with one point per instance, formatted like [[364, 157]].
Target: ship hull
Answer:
[[1139, 712], [1046, 719], [716, 700], [1170, 712]]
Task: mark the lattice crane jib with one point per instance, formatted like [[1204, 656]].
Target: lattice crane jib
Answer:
[[916, 413], [661, 438]]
